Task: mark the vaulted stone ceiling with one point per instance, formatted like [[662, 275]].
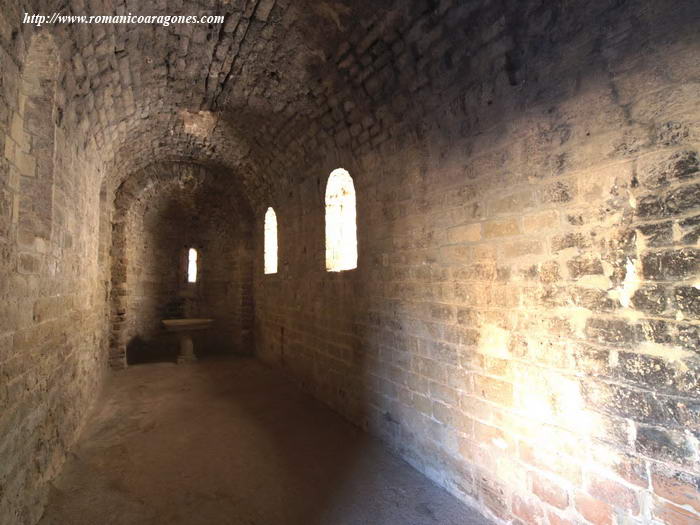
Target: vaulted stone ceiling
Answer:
[[280, 82], [232, 94]]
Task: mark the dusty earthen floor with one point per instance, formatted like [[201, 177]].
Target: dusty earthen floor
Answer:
[[229, 441]]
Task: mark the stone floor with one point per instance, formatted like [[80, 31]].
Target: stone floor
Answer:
[[229, 441]]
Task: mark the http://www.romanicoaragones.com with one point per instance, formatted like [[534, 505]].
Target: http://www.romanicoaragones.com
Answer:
[[163, 20]]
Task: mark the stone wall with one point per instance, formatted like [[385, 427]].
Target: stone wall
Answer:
[[52, 290], [158, 217], [523, 322]]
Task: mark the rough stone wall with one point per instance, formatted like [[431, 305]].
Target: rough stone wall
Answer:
[[52, 293], [503, 153], [180, 206], [125, 97], [523, 322]]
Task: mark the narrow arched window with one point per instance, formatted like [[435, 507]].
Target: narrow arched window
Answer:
[[270, 241], [192, 266], [341, 222]]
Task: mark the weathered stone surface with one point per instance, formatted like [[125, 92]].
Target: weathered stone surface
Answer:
[[663, 168], [690, 230], [676, 486], [614, 493], [683, 199], [526, 179], [671, 265], [660, 234], [611, 331], [666, 445], [687, 299], [650, 299]]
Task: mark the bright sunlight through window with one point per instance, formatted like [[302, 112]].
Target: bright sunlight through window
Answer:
[[341, 224], [270, 241], [192, 266]]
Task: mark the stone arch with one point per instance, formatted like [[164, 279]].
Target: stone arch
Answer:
[[33, 138]]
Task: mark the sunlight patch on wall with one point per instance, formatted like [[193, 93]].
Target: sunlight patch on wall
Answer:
[[198, 123]]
